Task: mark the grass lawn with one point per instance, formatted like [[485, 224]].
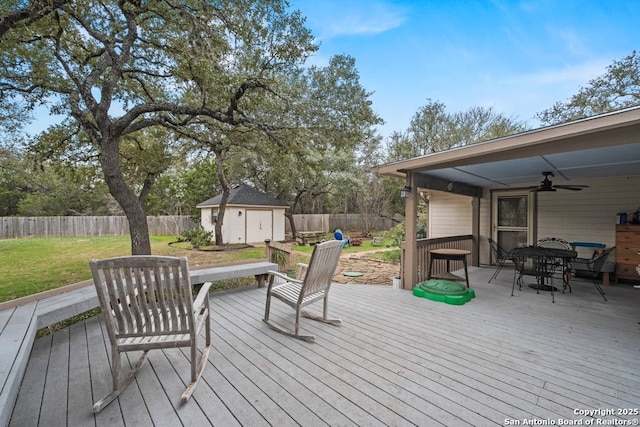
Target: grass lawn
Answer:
[[366, 246], [35, 265]]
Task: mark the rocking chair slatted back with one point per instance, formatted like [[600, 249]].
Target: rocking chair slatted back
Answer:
[[322, 266], [147, 304], [148, 296]]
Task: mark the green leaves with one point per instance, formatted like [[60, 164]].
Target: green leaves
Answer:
[[617, 89], [434, 129]]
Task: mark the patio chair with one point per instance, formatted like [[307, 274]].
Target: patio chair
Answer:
[[533, 261], [378, 240], [147, 304], [557, 243], [553, 242], [346, 240], [500, 255], [298, 293], [594, 267]]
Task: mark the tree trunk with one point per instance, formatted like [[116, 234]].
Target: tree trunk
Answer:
[[124, 195], [224, 184], [289, 216]]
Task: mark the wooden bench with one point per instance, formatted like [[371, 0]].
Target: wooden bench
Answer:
[[20, 319]]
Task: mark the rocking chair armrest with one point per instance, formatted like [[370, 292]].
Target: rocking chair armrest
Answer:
[[282, 276], [302, 268], [203, 294]]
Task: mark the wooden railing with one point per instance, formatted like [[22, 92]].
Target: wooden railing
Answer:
[[439, 266], [280, 254]]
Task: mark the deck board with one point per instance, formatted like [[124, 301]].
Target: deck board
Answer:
[[54, 399], [27, 410], [395, 360], [80, 381], [381, 397]]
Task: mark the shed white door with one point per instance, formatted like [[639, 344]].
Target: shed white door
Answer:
[[259, 226]]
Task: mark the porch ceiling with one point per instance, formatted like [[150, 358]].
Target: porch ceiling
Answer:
[[616, 161], [597, 147]]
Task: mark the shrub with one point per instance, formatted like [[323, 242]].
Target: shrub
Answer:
[[391, 256], [397, 234], [198, 236]]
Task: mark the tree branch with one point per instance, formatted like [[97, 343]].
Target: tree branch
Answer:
[[35, 11]]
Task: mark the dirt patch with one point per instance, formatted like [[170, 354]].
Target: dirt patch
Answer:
[[374, 272]]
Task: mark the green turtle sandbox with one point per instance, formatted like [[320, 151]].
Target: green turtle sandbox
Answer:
[[444, 291]]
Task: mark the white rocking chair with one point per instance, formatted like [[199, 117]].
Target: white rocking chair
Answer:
[[147, 304], [315, 286]]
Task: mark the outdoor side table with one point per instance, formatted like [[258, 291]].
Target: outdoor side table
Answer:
[[449, 255]]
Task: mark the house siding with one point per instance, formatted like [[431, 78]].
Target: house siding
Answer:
[[234, 225], [279, 224], [485, 227], [205, 219], [449, 215], [587, 216]]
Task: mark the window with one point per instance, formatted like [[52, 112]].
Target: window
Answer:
[[214, 216]]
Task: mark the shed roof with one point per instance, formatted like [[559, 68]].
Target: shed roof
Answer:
[[244, 195]]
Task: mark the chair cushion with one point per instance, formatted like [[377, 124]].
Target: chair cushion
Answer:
[[587, 249]]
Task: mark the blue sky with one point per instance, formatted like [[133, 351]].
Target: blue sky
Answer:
[[519, 57]]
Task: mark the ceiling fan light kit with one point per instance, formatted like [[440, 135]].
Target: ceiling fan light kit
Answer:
[[547, 185]]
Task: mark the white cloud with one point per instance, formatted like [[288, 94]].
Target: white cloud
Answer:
[[576, 73], [333, 19]]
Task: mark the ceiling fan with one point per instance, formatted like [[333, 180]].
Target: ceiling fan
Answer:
[[547, 185]]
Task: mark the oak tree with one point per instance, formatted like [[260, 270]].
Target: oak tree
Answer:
[[112, 69], [616, 89]]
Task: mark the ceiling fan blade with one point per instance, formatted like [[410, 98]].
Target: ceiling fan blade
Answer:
[[571, 187], [547, 185]]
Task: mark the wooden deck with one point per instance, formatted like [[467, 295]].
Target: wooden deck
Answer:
[[396, 360]]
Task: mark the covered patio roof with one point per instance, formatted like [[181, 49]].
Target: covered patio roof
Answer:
[[605, 146], [602, 146]]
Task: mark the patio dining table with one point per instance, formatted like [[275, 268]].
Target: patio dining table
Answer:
[[543, 263]]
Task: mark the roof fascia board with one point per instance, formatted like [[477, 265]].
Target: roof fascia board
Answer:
[[252, 207], [606, 130]]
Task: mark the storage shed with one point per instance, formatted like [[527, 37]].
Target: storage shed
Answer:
[[251, 216]]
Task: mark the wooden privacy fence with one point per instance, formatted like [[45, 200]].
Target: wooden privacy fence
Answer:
[[13, 227], [309, 222], [88, 226], [346, 222]]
